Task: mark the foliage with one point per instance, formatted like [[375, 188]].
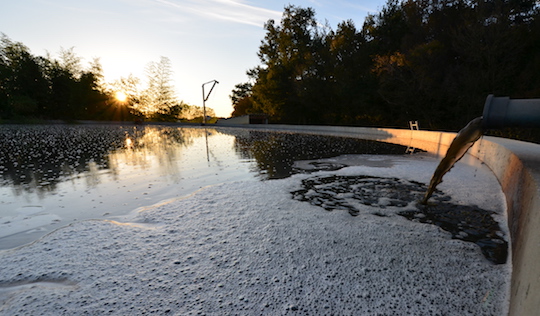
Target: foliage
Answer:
[[159, 96], [242, 100], [43, 88], [157, 100], [130, 86], [192, 112], [47, 88], [429, 60]]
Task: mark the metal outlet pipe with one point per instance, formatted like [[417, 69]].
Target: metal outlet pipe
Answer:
[[502, 112]]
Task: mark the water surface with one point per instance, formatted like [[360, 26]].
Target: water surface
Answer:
[[51, 175]]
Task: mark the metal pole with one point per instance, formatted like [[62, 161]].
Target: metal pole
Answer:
[[205, 97], [203, 106]]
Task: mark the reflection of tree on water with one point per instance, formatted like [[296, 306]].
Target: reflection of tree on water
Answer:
[[37, 158], [276, 152], [160, 145]]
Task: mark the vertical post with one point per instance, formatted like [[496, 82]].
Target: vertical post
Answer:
[[203, 106], [205, 98]]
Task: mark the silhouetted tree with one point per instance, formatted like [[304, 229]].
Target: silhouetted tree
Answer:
[[288, 55], [242, 100], [428, 60], [23, 86], [43, 87], [159, 95], [61, 88], [130, 86]]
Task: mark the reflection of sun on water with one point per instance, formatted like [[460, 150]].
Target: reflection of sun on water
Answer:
[[129, 143], [120, 96], [163, 150]]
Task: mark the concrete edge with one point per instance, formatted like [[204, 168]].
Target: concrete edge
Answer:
[[516, 165]]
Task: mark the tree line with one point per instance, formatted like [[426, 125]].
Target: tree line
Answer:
[[434, 61], [61, 88]]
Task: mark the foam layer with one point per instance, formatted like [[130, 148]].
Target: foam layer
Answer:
[[249, 248]]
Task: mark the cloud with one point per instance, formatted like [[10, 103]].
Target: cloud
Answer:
[[227, 10]]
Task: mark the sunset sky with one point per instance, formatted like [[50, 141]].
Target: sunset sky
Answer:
[[204, 39]]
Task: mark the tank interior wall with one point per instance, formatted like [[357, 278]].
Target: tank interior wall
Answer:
[[517, 167]]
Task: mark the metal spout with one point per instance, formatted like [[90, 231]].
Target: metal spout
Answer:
[[500, 112]]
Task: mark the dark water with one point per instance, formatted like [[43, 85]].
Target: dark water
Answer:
[[51, 175], [276, 152]]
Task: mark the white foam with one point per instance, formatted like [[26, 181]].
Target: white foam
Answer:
[[248, 248]]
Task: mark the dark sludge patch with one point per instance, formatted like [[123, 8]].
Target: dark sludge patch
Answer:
[[464, 222], [344, 192]]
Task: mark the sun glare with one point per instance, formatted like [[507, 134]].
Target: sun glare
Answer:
[[129, 143], [120, 96]]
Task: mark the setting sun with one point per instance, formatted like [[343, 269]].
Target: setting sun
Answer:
[[120, 96]]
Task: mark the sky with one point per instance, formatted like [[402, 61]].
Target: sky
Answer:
[[205, 40]]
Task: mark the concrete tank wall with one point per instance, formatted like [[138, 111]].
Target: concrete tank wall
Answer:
[[517, 167]]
